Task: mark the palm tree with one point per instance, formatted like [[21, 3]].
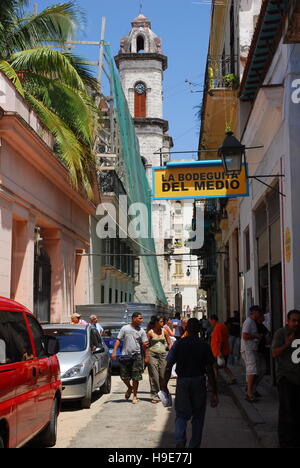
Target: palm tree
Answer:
[[56, 84]]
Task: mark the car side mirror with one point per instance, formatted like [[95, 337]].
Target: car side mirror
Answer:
[[2, 352], [51, 345], [99, 350]]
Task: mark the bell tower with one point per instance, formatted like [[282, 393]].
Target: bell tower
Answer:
[[141, 64]]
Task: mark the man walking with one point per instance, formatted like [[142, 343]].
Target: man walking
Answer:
[[176, 325], [220, 346], [194, 360], [249, 349], [131, 362], [286, 352], [234, 327]]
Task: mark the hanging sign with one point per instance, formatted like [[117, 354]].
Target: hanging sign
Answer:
[[198, 179]]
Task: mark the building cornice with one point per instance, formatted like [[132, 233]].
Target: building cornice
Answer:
[[142, 57], [142, 122]]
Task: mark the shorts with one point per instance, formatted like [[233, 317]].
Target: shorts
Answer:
[[251, 361], [132, 370]]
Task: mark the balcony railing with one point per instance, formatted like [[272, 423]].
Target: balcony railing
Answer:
[[109, 182], [222, 72]]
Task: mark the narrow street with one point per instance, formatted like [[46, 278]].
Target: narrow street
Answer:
[[112, 422]]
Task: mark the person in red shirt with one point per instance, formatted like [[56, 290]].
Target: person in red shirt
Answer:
[[220, 346]]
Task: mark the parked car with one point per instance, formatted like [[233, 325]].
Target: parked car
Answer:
[[111, 332], [84, 361], [30, 385]]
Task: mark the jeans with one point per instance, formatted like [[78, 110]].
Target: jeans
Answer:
[[191, 397], [289, 414]]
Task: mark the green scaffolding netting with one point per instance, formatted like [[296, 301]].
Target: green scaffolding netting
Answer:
[[136, 182]]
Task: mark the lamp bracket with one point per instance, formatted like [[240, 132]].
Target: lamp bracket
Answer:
[[267, 185]]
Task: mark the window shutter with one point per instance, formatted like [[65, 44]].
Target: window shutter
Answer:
[[140, 105]]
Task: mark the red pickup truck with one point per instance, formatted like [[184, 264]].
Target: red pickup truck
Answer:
[[30, 385]]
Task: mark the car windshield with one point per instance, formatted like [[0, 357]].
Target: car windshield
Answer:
[[111, 332], [70, 341]]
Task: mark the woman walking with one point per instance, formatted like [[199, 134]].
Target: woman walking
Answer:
[[159, 340]]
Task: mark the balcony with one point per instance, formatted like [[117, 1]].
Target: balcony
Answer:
[[293, 30], [109, 183], [222, 72], [220, 102]]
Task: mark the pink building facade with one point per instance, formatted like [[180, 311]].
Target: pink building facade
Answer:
[[44, 222]]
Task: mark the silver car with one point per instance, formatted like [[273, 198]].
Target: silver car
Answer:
[[84, 360]]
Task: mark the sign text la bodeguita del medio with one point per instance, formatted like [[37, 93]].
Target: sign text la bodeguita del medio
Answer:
[[203, 179]]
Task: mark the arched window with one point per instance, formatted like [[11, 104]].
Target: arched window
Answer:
[[140, 99], [140, 44]]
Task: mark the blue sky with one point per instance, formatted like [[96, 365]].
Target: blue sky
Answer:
[[184, 29]]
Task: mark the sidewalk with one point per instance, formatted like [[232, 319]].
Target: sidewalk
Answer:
[[262, 416]]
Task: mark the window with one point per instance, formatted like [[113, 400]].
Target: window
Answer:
[[137, 270], [140, 44], [116, 296], [37, 336], [178, 268], [70, 341], [110, 295], [15, 345], [178, 208], [95, 340], [247, 249], [102, 294]]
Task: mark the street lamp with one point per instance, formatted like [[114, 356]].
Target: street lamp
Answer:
[[232, 153]]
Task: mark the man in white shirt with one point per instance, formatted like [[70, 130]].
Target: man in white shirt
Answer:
[[94, 322], [249, 349]]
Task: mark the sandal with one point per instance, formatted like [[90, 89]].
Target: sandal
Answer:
[[250, 399], [128, 393], [136, 401], [233, 382]]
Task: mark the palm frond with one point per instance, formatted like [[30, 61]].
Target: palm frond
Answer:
[[71, 151], [75, 108], [84, 71], [49, 63], [55, 23], [7, 69]]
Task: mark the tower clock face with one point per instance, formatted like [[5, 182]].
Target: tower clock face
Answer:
[[140, 88]]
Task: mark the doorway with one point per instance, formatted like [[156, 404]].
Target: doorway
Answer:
[[42, 285]]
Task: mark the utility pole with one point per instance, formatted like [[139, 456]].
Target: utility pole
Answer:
[[101, 51]]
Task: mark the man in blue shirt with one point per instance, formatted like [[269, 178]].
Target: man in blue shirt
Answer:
[[194, 360], [176, 325]]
